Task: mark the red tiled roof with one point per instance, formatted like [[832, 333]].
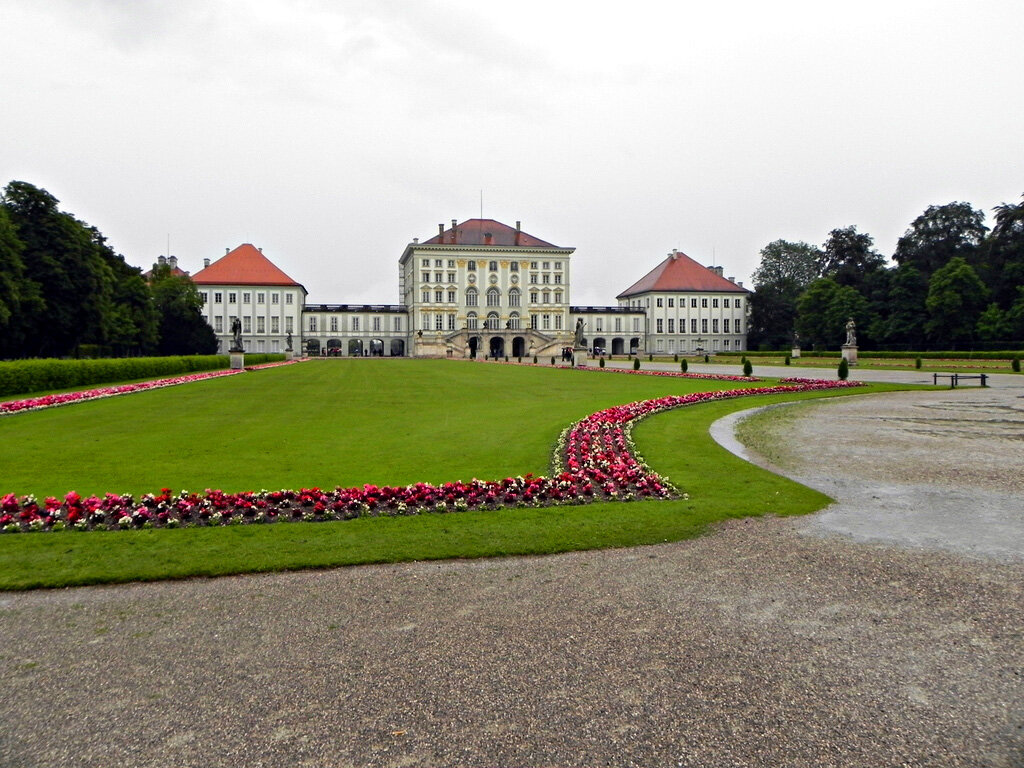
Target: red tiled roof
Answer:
[[681, 273], [245, 265], [486, 232]]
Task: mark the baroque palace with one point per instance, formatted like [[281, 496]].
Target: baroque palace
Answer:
[[479, 288]]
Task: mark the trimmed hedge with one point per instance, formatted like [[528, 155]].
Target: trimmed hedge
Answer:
[[22, 377], [1004, 355]]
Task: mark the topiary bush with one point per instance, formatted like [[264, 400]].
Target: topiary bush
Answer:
[[1015, 364], [787, 360], [917, 363], [683, 365], [636, 363], [844, 369], [675, 357], [650, 357], [534, 359], [552, 359], [600, 363], [707, 359], [748, 368]]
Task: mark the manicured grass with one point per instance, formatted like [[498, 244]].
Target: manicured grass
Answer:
[[928, 365], [676, 443], [320, 423]]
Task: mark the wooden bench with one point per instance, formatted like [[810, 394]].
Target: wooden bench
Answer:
[[956, 378]]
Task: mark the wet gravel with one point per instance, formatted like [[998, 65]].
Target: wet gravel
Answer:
[[757, 645]]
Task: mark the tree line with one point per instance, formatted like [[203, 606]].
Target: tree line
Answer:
[[953, 284], [65, 292]]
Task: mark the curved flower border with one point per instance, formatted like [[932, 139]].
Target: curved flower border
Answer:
[[595, 459], [70, 398]]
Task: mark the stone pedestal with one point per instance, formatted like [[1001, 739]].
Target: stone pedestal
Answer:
[[237, 360], [579, 356], [289, 354], [850, 354], [795, 353]]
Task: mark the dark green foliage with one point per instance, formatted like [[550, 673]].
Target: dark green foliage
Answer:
[[707, 359], [683, 365], [955, 300], [650, 357], [22, 377], [917, 362], [552, 359], [824, 309], [748, 368], [787, 360], [675, 358], [534, 359], [844, 369], [600, 363], [940, 234], [1015, 364], [636, 364]]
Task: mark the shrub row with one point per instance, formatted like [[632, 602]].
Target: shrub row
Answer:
[[1004, 355], [19, 377]]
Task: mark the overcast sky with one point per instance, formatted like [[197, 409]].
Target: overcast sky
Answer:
[[332, 132]]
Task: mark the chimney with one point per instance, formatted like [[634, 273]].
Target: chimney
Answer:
[[731, 279], [440, 231], [261, 251], [518, 232], [173, 261], [206, 263], [740, 283], [488, 238], [227, 251], [718, 270], [415, 241], [455, 231], [161, 260]]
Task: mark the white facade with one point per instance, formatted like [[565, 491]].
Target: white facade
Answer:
[[268, 313]]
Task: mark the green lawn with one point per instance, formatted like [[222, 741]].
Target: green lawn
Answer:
[[350, 422]]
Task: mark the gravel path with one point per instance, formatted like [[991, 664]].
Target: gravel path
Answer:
[[758, 645]]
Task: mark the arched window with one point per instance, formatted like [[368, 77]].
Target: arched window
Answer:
[[493, 297], [513, 321], [514, 297], [493, 321], [472, 297], [471, 321]]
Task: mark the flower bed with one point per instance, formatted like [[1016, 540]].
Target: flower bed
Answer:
[[69, 398], [594, 459]]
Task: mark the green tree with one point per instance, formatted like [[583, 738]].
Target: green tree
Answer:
[[849, 256], [994, 324], [956, 297], [824, 308], [1002, 266], [182, 329], [785, 271], [940, 234], [784, 262], [903, 319]]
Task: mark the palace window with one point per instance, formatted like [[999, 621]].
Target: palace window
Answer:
[[704, 325], [426, 297], [355, 323], [545, 322], [546, 278], [671, 302], [204, 297], [312, 324], [471, 321], [558, 278], [438, 296], [451, 296], [451, 277], [513, 321], [558, 297], [658, 301], [693, 303], [247, 324], [426, 277], [261, 298], [232, 297], [618, 324], [438, 276], [725, 303], [246, 297], [471, 266], [288, 327], [438, 262], [558, 322], [261, 324], [451, 322], [218, 297], [275, 325], [493, 266], [514, 266], [288, 298], [725, 325], [438, 322], [636, 324], [714, 303], [599, 325], [704, 303], [714, 325], [693, 325], [396, 324], [218, 324], [533, 297], [533, 265], [671, 325], [660, 325], [547, 265], [426, 262], [533, 278], [547, 297], [493, 297], [275, 298], [472, 297], [514, 297]]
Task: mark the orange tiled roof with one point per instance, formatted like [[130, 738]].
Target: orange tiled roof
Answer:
[[246, 265], [486, 232], [681, 273]]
